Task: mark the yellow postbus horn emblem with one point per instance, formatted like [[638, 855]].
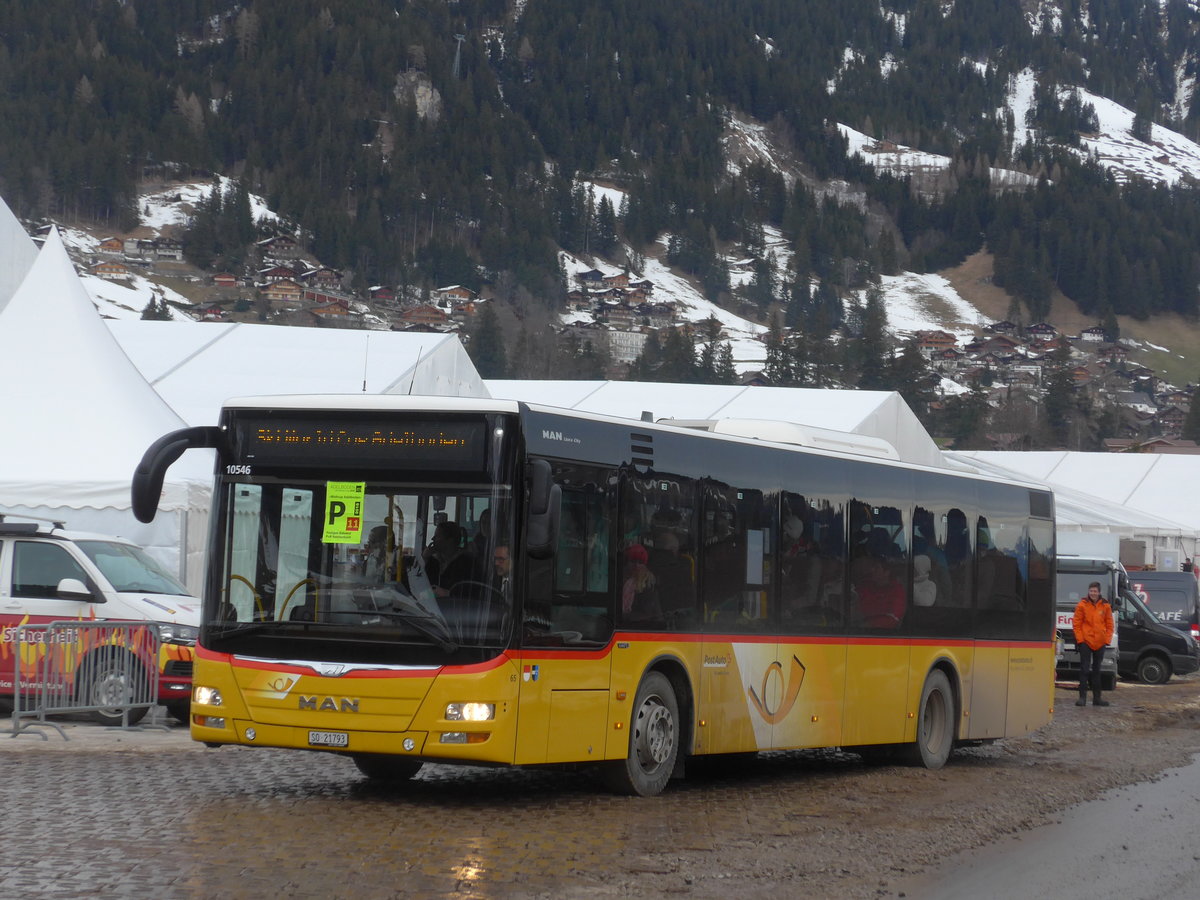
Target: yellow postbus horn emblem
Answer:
[[791, 691]]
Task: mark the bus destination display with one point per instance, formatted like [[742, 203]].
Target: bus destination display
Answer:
[[419, 444]]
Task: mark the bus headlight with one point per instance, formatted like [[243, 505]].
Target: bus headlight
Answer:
[[206, 696], [470, 712]]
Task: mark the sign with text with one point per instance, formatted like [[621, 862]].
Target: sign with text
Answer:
[[343, 512]]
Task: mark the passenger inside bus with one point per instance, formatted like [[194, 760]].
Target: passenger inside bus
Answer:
[[447, 561], [924, 589], [639, 592], [675, 575], [880, 596]]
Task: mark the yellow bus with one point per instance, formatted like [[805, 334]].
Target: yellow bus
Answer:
[[417, 579]]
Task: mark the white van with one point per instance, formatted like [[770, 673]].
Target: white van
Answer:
[[48, 574]]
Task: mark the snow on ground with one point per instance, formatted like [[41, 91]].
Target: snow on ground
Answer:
[[910, 302], [173, 204], [117, 300], [1170, 158], [1167, 160]]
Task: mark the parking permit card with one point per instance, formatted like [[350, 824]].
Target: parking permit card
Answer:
[[343, 512]]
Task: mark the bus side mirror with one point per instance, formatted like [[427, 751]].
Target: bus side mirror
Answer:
[[541, 522], [149, 474]]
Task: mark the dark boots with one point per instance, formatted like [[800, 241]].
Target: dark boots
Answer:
[[1082, 701], [1096, 701]]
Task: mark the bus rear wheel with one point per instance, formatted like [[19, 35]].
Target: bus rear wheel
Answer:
[[386, 768], [653, 741], [935, 723]]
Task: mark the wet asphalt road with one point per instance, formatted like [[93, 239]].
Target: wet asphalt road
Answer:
[[1138, 841]]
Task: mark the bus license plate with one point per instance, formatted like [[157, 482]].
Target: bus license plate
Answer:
[[328, 739]]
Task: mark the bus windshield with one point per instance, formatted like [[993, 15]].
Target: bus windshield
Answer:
[[418, 566]]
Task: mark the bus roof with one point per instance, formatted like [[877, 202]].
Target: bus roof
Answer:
[[774, 436]]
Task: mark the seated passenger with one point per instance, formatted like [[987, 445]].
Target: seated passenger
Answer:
[[924, 590], [447, 562], [881, 599], [639, 593]]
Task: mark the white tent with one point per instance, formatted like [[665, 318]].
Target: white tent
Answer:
[[197, 366], [1151, 497], [78, 416], [876, 414], [17, 253]]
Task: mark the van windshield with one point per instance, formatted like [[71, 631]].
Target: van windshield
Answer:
[[1133, 604], [130, 568]]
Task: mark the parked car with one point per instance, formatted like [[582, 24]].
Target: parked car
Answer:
[[48, 574], [1173, 596], [1149, 650]]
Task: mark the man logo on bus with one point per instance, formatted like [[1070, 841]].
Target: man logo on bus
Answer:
[[790, 691]]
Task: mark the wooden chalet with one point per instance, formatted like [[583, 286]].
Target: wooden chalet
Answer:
[[930, 342], [111, 246], [282, 246], [323, 278], [272, 274], [283, 291], [453, 295], [1171, 419], [424, 314], [111, 270], [1113, 354], [1041, 331], [225, 280], [1094, 335]]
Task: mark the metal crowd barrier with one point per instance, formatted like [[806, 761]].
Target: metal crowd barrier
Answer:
[[80, 667]]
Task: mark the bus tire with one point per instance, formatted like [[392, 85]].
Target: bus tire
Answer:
[[180, 711], [653, 741], [935, 723], [385, 767], [103, 680]]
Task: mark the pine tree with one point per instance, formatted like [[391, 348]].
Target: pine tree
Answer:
[[486, 347], [871, 348], [778, 369]]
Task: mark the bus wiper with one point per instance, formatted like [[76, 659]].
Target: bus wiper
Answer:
[[417, 621]]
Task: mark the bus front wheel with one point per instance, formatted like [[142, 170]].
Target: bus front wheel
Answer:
[[935, 723], [653, 741], [386, 768]]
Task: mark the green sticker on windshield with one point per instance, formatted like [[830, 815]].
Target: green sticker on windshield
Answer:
[[343, 512]]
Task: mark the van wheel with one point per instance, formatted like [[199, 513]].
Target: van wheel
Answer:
[[1108, 682], [935, 723], [653, 741], [1153, 669], [111, 682]]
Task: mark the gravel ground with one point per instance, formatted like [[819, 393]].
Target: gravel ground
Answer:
[[813, 824]]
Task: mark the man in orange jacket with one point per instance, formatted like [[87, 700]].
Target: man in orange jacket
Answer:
[[1093, 631]]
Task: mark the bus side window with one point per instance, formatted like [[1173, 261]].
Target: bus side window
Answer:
[[567, 599], [738, 547]]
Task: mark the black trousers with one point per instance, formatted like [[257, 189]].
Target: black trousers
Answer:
[[1089, 668]]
